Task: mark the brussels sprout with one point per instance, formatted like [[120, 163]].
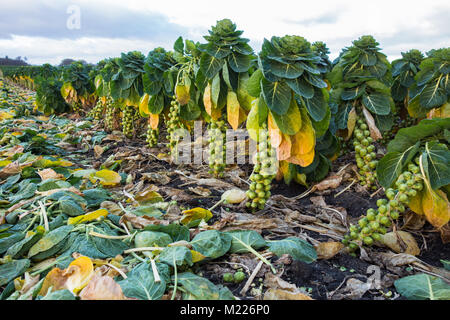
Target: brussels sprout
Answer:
[[368, 241], [228, 277], [239, 277]]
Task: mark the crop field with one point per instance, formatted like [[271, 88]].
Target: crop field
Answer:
[[218, 171]]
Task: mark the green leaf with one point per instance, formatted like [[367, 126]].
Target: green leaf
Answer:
[[190, 111], [179, 45], [178, 255], [68, 206], [59, 295], [215, 89], [7, 242], [239, 62], [438, 164], [297, 248], [377, 103], [140, 282], [353, 93], [288, 71], [446, 264], [212, 243], [316, 81], [407, 137], [277, 95], [291, 122], [210, 65], [432, 96], [50, 244], [317, 106], [423, 287], [198, 288], [250, 237], [301, 87], [11, 270], [176, 231], [367, 59], [19, 248], [254, 83]]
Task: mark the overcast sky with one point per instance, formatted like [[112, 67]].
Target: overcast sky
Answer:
[[37, 29]]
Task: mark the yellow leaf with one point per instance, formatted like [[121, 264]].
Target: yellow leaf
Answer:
[[210, 108], [415, 203], [436, 207], [143, 105], [106, 177], [197, 256], [153, 121], [327, 250], [233, 109], [276, 136], [88, 217], [182, 94], [305, 139], [4, 162], [74, 278], [351, 122], [195, 214], [284, 149], [303, 160]]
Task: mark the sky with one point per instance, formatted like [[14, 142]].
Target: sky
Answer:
[[47, 31]]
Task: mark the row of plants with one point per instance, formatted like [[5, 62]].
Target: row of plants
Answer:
[[294, 102]]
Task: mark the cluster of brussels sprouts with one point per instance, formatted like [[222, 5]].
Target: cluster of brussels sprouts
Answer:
[[371, 227], [173, 124], [217, 147], [76, 107], [152, 136], [128, 118], [109, 118], [97, 111], [263, 173], [366, 157]]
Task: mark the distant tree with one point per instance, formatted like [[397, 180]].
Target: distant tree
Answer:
[[19, 58], [66, 62]]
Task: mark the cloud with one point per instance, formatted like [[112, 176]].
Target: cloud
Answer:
[[49, 20], [37, 29]]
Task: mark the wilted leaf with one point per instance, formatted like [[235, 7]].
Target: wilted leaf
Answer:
[[74, 278], [327, 250], [193, 217], [102, 288], [88, 217], [107, 178], [401, 242], [234, 196]]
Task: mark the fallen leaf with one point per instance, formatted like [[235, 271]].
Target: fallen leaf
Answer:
[[331, 182], [98, 151], [204, 192], [401, 242], [327, 250], [102, 288], [49, 174], [234, 196], [74, 278], [279, 294]]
